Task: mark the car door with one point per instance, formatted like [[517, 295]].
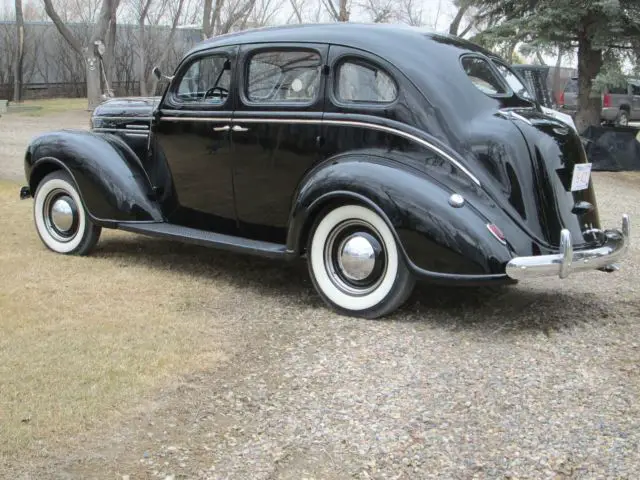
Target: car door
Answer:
[[192, 131], [276, 131]]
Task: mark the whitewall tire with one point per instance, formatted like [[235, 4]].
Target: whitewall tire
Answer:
[[355, 263], [60, 217]]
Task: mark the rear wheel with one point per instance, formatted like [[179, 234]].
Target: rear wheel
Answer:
[[355, 263], [61, 220]]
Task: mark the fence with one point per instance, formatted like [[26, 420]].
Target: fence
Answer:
[[37, 91]]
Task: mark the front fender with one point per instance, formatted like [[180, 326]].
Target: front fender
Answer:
[[438, 240], [110, 178]]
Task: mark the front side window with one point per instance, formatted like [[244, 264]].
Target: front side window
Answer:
[[206, 81], [635, 88], [282, 76], [359, 81], [514, 81], [482, 75]]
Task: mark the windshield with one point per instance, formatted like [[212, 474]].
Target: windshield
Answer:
[[513, 80]]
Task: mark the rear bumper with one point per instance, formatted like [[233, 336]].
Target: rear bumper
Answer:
[[569, 261]]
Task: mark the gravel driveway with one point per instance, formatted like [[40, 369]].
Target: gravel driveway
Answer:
[[540, 380]]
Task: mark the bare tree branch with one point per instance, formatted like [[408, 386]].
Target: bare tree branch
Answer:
[[62, 28]]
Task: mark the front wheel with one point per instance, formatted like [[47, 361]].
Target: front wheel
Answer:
[[61, 220], [355, 263]]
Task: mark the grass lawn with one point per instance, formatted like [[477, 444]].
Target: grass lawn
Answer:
[[84, 339], [39, 108]]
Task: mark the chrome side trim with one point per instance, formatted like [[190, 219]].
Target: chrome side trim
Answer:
[[100, 117], [137, 127], [373, 126], [136, 134], [120, 130], [196, 119], [569, 260]]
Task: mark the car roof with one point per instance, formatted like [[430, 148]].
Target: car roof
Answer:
[[377, 38]]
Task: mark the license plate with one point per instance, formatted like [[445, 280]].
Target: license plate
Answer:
[[581, 176]]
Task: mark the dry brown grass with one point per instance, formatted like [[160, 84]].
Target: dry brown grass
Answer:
[[84, 339], [39, 108]]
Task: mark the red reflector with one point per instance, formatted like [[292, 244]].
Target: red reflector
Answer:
[[496, 232]]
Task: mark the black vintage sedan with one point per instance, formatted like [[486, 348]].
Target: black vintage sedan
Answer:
[[382, 154]]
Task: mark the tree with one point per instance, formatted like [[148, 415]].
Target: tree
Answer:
[[89, 51], [340, 12], [17, 71], [221, 16], [595, 28]]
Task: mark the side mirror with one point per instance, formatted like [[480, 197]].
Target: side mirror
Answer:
[[157, 73]]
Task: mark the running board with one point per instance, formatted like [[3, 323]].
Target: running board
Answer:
[[208, 239]]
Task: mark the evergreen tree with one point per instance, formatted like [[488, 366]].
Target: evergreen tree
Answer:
[[602, 31]]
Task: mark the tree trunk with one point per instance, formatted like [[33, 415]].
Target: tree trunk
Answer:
[[589, 102], [17, 72], [455, 24], [109, 59], [142, 52], [92, 63], [556, 75], [344, 13]]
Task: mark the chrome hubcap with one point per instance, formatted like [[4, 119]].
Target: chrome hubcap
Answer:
[[355, 258], [60, 214]]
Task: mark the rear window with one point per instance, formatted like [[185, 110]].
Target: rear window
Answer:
[[483, 76]]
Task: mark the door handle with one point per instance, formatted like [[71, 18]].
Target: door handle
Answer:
[[226, 128], [238, 128]]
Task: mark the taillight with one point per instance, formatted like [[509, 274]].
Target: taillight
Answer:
[[561, 100], [606, 100], [497, 233]]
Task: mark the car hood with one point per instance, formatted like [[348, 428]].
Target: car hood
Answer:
[[127, 107]]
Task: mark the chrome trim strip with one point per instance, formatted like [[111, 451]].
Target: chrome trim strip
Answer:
[[569, 260], [196, 119], [137, 127], [345, 123], [100, 117], [120, 130], [136, 134]]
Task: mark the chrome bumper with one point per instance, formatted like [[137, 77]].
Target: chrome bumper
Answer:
[[568, 261]]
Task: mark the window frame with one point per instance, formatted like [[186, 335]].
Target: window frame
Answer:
[[172, 100], [350, 57], [250, 53], [508, 92]]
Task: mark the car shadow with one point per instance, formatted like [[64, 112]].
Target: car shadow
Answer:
[[497, 309]]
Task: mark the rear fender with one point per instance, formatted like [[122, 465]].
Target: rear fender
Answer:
[[437, 240], [110, 178]]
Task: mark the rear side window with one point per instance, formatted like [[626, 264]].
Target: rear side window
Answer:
[[360, 81], [280, 76], [482, 75]]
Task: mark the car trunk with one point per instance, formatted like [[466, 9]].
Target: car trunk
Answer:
[[555, 149]]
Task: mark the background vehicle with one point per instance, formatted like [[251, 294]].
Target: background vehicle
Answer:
[[620, 105]]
